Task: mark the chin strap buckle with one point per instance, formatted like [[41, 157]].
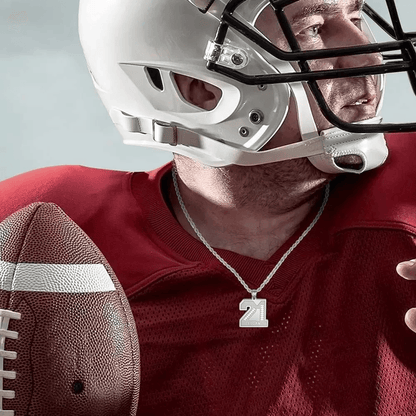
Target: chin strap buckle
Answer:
[[160, 131], [165, 133]]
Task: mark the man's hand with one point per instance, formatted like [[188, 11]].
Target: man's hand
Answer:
[[407, 270]]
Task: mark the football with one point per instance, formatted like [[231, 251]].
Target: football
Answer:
[[68, 339]]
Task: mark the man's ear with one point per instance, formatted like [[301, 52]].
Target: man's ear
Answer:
[[197, 92]]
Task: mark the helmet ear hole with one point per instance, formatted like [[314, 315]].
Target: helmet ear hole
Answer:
[[353, 162], [199, 93], [155, 78]]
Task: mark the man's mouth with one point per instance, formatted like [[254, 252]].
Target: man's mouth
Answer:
[[359, 108], [366, 100], [360, 102]]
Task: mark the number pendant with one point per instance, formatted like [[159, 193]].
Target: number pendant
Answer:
[[255, 315]]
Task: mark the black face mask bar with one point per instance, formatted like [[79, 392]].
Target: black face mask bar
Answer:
[[403, 44]]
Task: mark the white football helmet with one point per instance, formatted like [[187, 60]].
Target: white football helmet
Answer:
[[133, 48]]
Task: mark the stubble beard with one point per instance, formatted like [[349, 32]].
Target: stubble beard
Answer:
[[274, 188]]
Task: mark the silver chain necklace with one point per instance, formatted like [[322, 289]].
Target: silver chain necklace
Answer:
[[255, 315]]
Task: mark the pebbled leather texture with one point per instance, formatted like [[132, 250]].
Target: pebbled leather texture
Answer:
[[77, 346]]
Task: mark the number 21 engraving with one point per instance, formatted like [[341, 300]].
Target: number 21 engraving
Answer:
[[255, 315]]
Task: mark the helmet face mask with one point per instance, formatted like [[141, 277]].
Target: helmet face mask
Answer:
[[401, 49], [133, 52]]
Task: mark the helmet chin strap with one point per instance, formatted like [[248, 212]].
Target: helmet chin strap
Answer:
[[320, 149], [211, 152]]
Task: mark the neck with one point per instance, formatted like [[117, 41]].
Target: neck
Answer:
[[247, 210]]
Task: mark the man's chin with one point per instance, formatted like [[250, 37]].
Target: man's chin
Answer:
[[349, 116], [355, 113]]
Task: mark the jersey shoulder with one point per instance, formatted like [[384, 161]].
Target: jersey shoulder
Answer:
[[384, 197], [71, 187]]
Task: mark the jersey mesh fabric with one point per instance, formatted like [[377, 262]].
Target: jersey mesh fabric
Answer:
[[332, 348], [336, 344]]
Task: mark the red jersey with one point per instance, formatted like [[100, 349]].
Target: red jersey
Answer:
[[337, 343]]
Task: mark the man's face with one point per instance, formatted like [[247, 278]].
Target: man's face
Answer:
[[324, 24]]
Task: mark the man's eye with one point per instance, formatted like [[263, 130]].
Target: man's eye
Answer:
[[312, 31]]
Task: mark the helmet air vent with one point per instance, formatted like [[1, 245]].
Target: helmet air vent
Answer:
[[154, 77]]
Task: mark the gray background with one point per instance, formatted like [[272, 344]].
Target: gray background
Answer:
[[50, 112]]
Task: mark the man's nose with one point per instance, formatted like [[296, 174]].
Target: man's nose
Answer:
[[351, 35]]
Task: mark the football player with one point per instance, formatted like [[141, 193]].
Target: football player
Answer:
[[260, 264]]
